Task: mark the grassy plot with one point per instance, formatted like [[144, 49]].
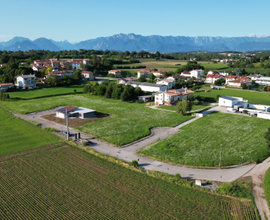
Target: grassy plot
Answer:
[[68, 183], [252, 97], [173, 107], [18, 135], [266, 186], [127, 122], [199, 143], [52, 91]]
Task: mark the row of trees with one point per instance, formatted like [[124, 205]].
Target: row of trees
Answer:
[[113, 90]]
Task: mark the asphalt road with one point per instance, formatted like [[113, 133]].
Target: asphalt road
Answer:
[[128, 153]]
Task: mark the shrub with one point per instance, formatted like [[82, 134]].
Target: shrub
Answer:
[[84, 143], [75, 91], [177, 176], [245, 111], [135, 163], [196, 102], [26, 87]]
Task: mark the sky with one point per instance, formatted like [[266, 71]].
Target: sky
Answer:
[[87, 19]]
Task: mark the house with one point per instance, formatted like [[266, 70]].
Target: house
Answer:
[[75, 64], [263, 81], [232, 102], [225, 73], [126, 80], [158, 73], [61, 74], [148, 87], [176, 77], [230, 78], [87, 75], [170, 83], [26, 80], [117, 73], [196, 73], [144, 72], [239, 81], [5, 86], [77, 112], [254, 77], [171, 97], [213, 72], [192, 58], [186, 74], [210, 78], [38, 68]]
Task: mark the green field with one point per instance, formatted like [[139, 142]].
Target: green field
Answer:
[[127, 122], [68, 183], [51, 91], [252, 97], [266, 186], [173, 107], [18, 135], [199, 142]]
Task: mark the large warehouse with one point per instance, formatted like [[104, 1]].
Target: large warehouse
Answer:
[[77, 112]]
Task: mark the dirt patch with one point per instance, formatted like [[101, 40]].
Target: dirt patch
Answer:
[[75, 122]]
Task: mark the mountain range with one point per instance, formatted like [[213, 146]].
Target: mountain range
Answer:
[[133, 42]]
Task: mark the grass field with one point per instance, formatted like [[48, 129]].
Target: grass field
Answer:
[[18, 135], [68, 183], [173, 108], [127, 122], [30, 94], [266, 186], [252, 97], [199, 143]]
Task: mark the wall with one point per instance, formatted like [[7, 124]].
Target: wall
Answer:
[[262, 115], [262, 107]]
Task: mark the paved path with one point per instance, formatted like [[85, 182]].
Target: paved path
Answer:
[[128, 153], [257, 174]]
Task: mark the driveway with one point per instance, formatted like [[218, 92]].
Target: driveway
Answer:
[[128, 153]]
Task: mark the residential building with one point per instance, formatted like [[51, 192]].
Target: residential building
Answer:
[[225, 73], [211, 78], [158, 73], [26, 80], [186, 74], [254, 77], [117, 73], [239, 81], [232, 102], [170, 83], [126, 80], [230, 78], [148, 87], [192, 58], [87, 75], [213, 72], [75, 64], [5, 86], [144, 72], [77, 112], [196, 73], [171, 97], [263, 81], [38, 68], [61, 74]]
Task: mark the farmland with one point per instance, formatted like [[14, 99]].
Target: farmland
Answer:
[[127, 122], [52, 91], [252, 97], [18, 135], [65, 182], [199, 143]]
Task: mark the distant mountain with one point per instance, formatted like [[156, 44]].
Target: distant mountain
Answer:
[[45, 44], [133, 42], [23, 46]]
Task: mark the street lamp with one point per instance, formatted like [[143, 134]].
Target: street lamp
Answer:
[[220, 155]]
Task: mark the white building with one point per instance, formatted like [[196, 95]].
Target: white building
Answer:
[[213, 72], [210, 78], [61, 74], [170, 83], [225, 73], [263, 81], [158, 73], [5, 86], [77, 112], [144, 72], [117, 73], [87, 75], [171, 97], [75, 64], [148, 87], [196, 73], [192, 58], [26, 80], [186, 74], [232, 102]]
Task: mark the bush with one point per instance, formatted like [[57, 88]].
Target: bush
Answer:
[[245, 111], [177, 176], [84, 143], [26, 87], [196, 102], [50, 129], [135, 163]]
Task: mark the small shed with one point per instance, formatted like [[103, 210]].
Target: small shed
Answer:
[[75, 112]]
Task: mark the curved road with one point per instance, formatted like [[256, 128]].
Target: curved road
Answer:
[[128, 153]]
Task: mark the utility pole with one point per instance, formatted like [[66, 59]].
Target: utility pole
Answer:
[[220, 156], [67, 125]]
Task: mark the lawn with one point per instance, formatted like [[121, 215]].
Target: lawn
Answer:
[[266, 186], [213, 66], [127, 122], [173, 108], [199, 143], [18, 135], [51, 91], [251, 96], [68, 183]]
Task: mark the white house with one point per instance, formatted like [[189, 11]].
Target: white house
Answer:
[[117, 73], [126, 80], [75, 64], [213, 72], [87, 75], [158, 73], [225, 73], [196, 73], [38, 68], [61, 74], [254, 77], [231, 102], [186, 74], [148, 87], [26, 80], [210, 78], [239, 81], [170, 83], [230, 78], [5, 86], [144, 72], [171, 97], [77, 112], [192, 58], [263, 81]]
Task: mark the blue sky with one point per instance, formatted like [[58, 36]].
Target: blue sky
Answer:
[[86, 19]]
